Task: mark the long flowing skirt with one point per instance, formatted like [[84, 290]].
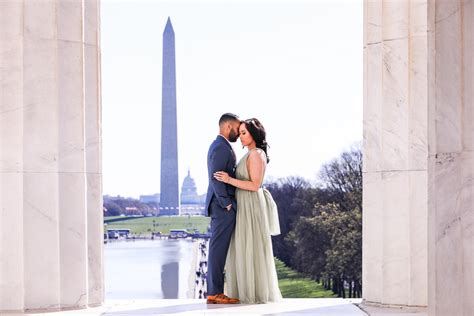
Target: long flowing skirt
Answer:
[[250, 266]]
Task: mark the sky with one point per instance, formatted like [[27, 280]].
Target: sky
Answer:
[[294, 65]]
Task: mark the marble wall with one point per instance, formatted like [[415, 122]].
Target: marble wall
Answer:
[[50, 155], [418, 163]]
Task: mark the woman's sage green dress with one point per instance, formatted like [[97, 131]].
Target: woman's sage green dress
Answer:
[[250, 267]]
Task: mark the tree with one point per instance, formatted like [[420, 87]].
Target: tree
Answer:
[[342, 178], [285, 191], [325, 234], [127, 206], [310, 241], [328, 248], [344, 256], [113, 209]]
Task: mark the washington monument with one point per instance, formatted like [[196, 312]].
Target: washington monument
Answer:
[[169, 195]]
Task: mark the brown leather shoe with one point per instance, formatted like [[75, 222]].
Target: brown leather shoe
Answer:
[[221, 299]]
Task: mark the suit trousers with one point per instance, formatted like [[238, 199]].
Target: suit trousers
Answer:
[[222, 228]]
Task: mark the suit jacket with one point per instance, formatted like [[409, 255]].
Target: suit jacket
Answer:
[[220, 157]]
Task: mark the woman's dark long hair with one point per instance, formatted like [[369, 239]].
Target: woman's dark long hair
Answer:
[[258, 133]]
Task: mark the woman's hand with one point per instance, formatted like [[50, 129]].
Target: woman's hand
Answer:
[[222, 176]]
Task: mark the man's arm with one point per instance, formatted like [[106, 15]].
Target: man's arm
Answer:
[[217, 162]]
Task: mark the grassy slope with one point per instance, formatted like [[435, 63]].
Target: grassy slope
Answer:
[[294, 285]]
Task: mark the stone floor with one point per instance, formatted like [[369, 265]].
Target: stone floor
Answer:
[[321, 306], [379, 311]]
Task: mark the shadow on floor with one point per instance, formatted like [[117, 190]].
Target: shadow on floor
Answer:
[[174, 309], [340, 310]]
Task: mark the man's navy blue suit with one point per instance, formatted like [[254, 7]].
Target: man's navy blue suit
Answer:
[[220, 157]]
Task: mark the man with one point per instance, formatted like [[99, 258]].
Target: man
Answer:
[[221, 205]]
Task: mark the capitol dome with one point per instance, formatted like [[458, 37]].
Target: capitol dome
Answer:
[[188, 190]]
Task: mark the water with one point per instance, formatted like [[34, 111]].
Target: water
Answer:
[[149, 269]]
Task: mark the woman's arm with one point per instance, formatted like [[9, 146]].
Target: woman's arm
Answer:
[[255, 165]]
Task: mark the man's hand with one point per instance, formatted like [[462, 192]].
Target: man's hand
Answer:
[[229, 207]]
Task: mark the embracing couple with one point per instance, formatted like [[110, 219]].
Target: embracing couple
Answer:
[[243, 217]]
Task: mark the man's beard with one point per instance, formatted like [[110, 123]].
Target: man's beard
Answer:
[[233, 136]]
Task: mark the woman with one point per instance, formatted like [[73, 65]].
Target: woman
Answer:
[[250, 266]]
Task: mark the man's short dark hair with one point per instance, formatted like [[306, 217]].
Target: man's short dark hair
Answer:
[[228, 117]]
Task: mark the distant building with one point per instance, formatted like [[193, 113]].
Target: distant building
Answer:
[[154, 198], [202, 199], [117, 198], [188, 191], [191, 202]]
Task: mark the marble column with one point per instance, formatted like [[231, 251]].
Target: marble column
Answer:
[[418, 166], [50, 155], [451, 158], [395, 153]]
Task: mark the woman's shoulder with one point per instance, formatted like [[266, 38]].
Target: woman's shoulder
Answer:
[[258, 153]]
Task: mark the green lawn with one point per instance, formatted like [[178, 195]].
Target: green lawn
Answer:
[[294, 285], [163, 224]]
